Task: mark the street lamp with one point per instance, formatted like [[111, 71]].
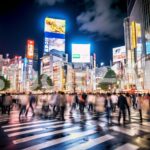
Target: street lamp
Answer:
[[102, 64]]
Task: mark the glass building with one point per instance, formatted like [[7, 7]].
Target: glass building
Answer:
[[137, 40]]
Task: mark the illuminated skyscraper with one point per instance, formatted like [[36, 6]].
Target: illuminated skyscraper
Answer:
[[137, 37]]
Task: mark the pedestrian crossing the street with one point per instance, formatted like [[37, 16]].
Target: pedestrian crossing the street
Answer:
[[76, 132]]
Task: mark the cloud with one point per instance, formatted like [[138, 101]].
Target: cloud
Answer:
[[103, 18], [49, 2]]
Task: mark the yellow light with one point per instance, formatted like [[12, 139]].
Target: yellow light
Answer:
[[138, 30], [133, 35]]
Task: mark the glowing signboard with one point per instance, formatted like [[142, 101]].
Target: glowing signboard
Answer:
[[133, 35], [30, 49], [81, 53], [54, 34], [119, 54], [54, 43], [55, 25]]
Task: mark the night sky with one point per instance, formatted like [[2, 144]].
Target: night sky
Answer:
[[99, 22]]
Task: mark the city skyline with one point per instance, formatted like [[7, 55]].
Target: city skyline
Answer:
[[26, 21]]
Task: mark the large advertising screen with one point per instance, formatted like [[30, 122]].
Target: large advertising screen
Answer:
[[55, 25], [30, 49], [54, 34], [54, 43], [81, 53], [119, 54]]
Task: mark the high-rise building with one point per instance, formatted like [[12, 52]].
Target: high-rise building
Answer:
[[30, 65], [137, 40]]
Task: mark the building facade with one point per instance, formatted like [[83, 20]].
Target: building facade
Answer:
[[137, 40]]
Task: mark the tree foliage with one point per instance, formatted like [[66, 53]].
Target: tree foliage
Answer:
[[4, 83], [42, 81], [108, 80]]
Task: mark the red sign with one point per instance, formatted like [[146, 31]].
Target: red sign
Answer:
[[30, 49]]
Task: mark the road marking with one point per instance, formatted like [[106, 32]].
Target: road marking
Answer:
[[127, 146], [129, 132], [21, 124], [26, 139], [31, 126], [92, 142], [41, 129], [140, 127], [60, 140]]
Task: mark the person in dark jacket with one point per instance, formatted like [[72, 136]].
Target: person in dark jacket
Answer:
[[108, 106], [32, 100], [63, 102], [122, 105]]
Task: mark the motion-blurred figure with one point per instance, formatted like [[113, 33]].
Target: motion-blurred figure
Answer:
[[139, 102], [23, 100], [32, 101], [63, 102], [7, 103], [123, 105], [114, 99], [108, 107]]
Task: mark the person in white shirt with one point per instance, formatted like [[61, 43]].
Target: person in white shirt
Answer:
[[114, 99], [23, 100], [91, 102]]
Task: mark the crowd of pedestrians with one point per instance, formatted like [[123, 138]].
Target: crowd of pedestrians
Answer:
[[55, 104]]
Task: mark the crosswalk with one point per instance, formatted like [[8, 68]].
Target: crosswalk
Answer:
[[72, 135]]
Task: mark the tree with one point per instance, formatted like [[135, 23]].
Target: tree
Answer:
[[43, 80], [108, 80], [49, 81], [4, 83]]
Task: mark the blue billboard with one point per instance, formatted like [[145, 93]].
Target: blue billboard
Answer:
[[54, 34]]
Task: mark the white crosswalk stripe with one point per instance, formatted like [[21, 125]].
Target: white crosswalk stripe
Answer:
[[60, 140], [21, 124], [38, 134], [40, 129], [45, 134], [31, 126], [140, 127], [127, 146], [92, 142], [129, 132]]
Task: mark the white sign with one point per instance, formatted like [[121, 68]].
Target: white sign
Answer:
[[119, 54], [81, 53]]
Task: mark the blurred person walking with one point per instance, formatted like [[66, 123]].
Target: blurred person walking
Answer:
[[122, 105], [7, 103], [82, 102], [32, 101], [56, 107], [108, 106], [114, 99], [129, 101], [23, 100], [99, 108], [139, 102], [91, 102], [2, 103], [63, 102], [73, 103]]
